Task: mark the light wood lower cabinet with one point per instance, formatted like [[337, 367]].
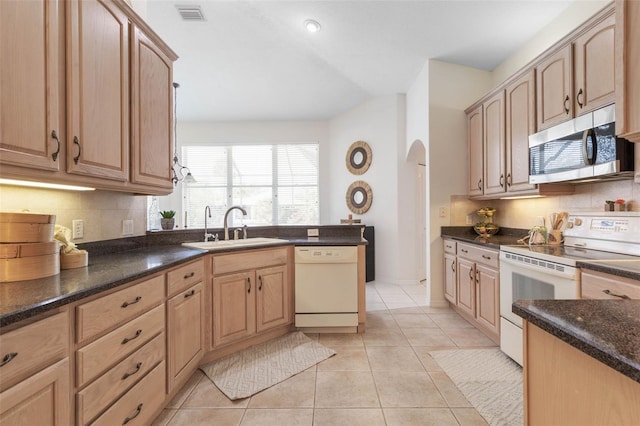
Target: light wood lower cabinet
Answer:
[[477, 287], [598, 285], [185, 334], [42, 399], [35, 373], [450, 271], [564, 386], [247, 300]]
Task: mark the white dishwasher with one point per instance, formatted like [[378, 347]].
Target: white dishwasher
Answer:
[[326, 286]]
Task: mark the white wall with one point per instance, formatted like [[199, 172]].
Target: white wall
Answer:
[[380, 122], [576, 14], [452, 88]]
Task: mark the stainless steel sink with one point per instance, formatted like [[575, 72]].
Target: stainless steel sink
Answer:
[[226, 244]]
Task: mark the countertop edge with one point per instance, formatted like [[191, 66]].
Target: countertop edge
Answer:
[[588, 347]]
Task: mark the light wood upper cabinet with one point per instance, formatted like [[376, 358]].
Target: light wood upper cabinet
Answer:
[[554, 82], [627, 60], [520, 111], [98, 90], [594, 66], [31, 131], [152, 117], [494, 148], [475, 138]]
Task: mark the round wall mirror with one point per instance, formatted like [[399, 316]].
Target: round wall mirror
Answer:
[[358, 157], [359, 197]]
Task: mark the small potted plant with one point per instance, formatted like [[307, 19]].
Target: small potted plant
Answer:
[[168, 220]]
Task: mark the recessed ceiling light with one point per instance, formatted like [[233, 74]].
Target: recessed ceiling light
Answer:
[[312, 26]]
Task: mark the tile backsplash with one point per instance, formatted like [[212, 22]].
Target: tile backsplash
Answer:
[[101, 211], [524, 213]]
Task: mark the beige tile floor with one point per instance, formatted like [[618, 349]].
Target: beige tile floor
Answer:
[[382, 377]]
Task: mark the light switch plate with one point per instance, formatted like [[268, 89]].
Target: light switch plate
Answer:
[[442, 211]]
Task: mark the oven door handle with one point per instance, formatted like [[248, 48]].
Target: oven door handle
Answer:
[[539, 269]]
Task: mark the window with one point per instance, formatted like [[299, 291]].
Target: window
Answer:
[[275, 184]]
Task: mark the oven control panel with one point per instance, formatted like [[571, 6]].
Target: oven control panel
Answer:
[[617, 232]]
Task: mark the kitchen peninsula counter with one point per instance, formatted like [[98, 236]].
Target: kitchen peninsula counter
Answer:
[[607, 330], [586, 352]]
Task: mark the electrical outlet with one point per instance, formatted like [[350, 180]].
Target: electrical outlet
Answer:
[[78, 228], [469, 219], [313, 232], [442, 211], [127, 227]]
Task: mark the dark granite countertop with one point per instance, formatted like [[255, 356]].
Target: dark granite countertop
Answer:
[[622, 268], [607, 330], [506, 236], [24, 299]]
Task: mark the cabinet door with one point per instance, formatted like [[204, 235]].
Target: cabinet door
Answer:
[[466, 283], [594, 65], [152, 119], [233, 307], [475, 135], [42, 399], [30, 119], [487, 298], [97, 90], [553, 89], [627, 63], [273, 304], [520, 123], [450, 278], [184, 333], [494, 174]]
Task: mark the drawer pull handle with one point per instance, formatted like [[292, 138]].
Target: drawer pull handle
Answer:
[[136, 300], [191, 293], [189, 275], [260, 281], [127, 375], [464, 251], [8, 357], [610, 293], [138, 410], [484, 256], [128, 339]]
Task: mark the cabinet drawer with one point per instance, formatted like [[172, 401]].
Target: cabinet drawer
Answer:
[[96, 357], [140, 404], [595, 286], [449, 246], [33, 347], [184, 277], [99, 315], [233, 262], [479, 254], [99, 394]]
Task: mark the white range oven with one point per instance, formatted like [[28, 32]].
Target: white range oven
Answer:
[[549, 272]]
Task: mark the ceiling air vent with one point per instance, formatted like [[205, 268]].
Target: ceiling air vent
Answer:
[[191, 13]]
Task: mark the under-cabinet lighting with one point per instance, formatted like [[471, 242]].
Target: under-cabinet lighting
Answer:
[[521, 197], [44, 185]]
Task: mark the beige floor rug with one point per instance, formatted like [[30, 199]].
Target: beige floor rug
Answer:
[[259, 367], [490, 381]]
